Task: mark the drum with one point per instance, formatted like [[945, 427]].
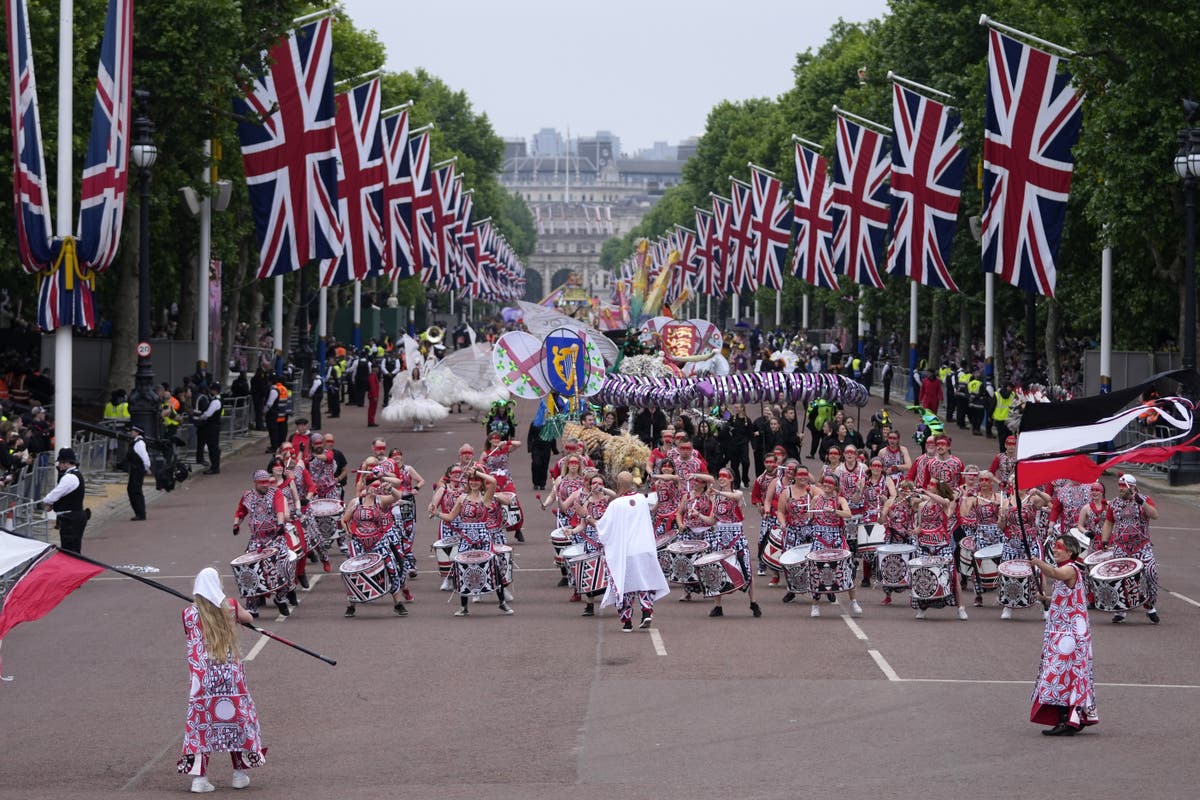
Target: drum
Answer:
[[323, 509], [830, 571], [870, 537], [1018, 585], [513, 517], [795, 568], [719, 573], [259, 573], [681, 559], [966, 556], [1092, 559], [408, 510], [930, 581], [325, 514], [1119, 584], [474, 572], [773, 548], [560, 540], [504, 563], [365, 577], [893, 564], [444, 548], [589, 573], [661, 541], [572, 552], [294, 542], [987, 563]]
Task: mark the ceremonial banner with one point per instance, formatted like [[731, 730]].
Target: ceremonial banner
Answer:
[[812, 207], [860, 202], [565, 362], [398, 198], [772, 225]]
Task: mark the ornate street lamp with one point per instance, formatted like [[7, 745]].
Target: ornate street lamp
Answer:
[[143, 403]]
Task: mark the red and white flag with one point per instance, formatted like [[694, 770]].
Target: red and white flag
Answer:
[[812, 260], [772, 225], [739, 270], [860, 202]]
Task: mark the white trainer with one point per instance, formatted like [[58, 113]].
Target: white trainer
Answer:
[[962, 613], [446, 585], [855, 608], [816, 611], [240, 779], [920, 613], [201, 785], [1006, 613]]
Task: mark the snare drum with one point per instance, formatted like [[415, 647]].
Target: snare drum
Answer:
[[569, 553], [259, 573], [893, 564], [773, 548], [1018, 588], [1091, 560], [869, 538], [504, 563], [830, 571], [930, 581], [295, 541], [966, 556], [1119, 584], [987, 565], [408, 510], [560, 540], [681, 560], [795, 568], [513, 516], [444, 548], [365, 577], [474, 572], [589, 573], [719, 573], [662, 540], [326, 514]]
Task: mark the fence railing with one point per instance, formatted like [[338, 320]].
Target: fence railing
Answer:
[[25, 518]]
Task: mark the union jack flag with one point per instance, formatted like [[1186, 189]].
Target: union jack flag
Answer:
[[1033, 121], [772, 225], [290, 158], [31, 199], [398, 197], [361, 177], [445, 219], [739, 267], [860, 202], [425, 246], [468, 270], [721, 274], [812, 206], [927, 173], [704, 255]]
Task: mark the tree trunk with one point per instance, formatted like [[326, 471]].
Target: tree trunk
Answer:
[[122, 360], [935, 331], [256, 310], [1052, 320], [187, 301], [964, 335], [291, 295], [231, 294]]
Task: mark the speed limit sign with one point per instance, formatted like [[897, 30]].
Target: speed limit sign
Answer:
[[143, 349]]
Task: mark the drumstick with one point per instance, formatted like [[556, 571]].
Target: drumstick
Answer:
[[182, 596]]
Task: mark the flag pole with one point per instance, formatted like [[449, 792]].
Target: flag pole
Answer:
[[357, 336], [322, 328], [987, 21], [891, 76], [164, 588], [912, 339], [277, 324], [807, 142], [862, 120], [63, 346], [1106, 270]]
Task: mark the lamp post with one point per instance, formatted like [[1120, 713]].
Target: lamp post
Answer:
[[143, 403], [1187, 167]]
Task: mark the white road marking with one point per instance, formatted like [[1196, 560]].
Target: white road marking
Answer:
[[1184, 598], [657, 640], [884, 666], [313, 581], [850, 623], [258, 646], [149, 765]]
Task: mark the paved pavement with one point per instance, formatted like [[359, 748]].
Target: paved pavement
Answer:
[[545, 704]]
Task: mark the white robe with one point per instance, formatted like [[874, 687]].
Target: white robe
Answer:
[[627, 535]]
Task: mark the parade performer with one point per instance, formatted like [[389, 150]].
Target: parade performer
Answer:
[[944, 467], [934, 538], [828, 512], [878, 488], [1067, 499], [729, 534], [1065, 694], [763, 484], [1127, 530], [448, 490], [900, 522], [589, 508], [369, 521], [688, 463], [896, 460], [852, 479], [1093, 515], [986, 508], [667, 486], [495, 463], [221, 715], [470, 513], [627, 535], [409, 482], [695, 516], [1004, 464], [791, 506], [410, 404], [294, 499], [266, 510]]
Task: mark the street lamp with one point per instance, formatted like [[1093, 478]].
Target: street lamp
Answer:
[[1185, 467], [143, 403]]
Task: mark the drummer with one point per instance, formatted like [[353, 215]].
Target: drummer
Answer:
[[896, 459], [729, 534], [763, 483], [878, 488], [448, 490], [409, 482], [933, 515], [1127, 530], [1004, 465], [695, 515], [1093, 515], [985, 508], [266, 510], [470, 513], [900, 522], [668, 487], [589, 507], [828, 512], [495, 463], [369, 521], [689, 465], [288, 487], [852, 478]]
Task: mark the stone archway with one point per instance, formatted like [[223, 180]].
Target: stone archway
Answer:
[[560, 277], [534, 286]]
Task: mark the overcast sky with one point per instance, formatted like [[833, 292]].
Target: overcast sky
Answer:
[[647, 71]]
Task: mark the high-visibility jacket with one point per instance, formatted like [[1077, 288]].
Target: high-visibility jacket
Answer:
[[117, 411], [1003, 404]]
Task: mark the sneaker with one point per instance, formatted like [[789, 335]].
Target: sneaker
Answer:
[[325, 565], [1118, 618], [1006, 613], [646, 620], [303, 579], [627, 627], [520, 537], [855, 608], [505, 608], [474, 598], [400, 610], [202, 784], [240, 779], [865, 583], [284, 611], [761, 572], [508, 596], [962, 613], [755, 610], [717, 612], [446, 585], [789, 597], [979, 601], [291, 596], [562, 581], [462, 612], [589, 610], [350, 609], [920, 613], [887, 600], [407, 595], [816, 611], [253, 612], [1153, 617], [774, 581]]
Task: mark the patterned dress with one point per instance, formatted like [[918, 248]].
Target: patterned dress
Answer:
[[221, 716], [261, 512], [947, 470], [1131, 539], [1014, 539], [594, 508], [828, 528], [798, 530], [1066, 680], [405, 527], [695, 528], [729, 533], [669, 496], [567, 486], [893, 461], [987, 530], [1071, 496], [322, 468], [371, 532], [473, 526]]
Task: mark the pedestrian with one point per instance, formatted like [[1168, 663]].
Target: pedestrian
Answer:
[[885, 377], [372, 396], [540, 449], [626, 533], [316, 393], [1065, 694], [66, 499], [208, 428], [221, 715], [139, 465]]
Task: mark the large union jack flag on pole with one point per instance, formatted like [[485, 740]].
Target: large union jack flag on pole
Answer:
[[1033, 120], [425, 247], [812, 207], [927, 173], [739, 268], [361, 177], [444, 221], [772, 225], [289, 151], [721, 272], [398, 197], [860, 202], [706, 253]]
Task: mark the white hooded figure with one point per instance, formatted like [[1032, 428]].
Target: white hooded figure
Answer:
[[626, 531]]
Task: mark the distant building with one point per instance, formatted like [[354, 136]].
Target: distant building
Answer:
[[582, 193]]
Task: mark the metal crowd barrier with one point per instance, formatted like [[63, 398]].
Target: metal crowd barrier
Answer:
[[27, 519]]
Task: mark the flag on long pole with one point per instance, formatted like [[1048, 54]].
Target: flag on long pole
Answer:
[[812, 206], [860, 200]]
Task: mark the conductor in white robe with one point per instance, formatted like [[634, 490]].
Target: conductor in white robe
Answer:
[[627, 535]]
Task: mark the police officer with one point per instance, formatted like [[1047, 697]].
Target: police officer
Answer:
[[333, 387], [139, 466], [208, 426], [66, 499]]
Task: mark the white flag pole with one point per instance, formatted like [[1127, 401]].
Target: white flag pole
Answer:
[[1106, 270], [63, 349], [277, 323], [357, 338]]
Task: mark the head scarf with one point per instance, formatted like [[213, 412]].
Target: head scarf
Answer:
[[208, 586]]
